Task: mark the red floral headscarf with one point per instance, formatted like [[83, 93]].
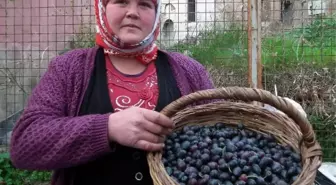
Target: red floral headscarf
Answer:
[[145, 51]]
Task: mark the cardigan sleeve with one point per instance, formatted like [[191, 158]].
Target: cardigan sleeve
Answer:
[[45, 138]]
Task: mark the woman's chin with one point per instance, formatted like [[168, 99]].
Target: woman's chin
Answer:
[[131, 39], [131, 42]]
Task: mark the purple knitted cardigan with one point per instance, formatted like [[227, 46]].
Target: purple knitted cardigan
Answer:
[[50, 136]]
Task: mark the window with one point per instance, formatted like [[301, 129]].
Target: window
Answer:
[[168, 29], [287, 11], [169, 8], [316, 7], [191, 11]]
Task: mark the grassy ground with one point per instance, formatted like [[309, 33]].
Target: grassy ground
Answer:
[[315, 43]]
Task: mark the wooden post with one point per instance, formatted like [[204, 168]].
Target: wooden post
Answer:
[[254, 45]]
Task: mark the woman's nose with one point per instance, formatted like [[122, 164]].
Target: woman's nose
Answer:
[[132, 11]]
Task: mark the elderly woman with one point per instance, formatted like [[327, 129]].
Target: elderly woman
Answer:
[[95, 112]]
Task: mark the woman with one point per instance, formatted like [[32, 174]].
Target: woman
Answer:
[[94, 114]]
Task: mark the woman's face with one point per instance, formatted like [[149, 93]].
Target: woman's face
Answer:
[[131, 20]]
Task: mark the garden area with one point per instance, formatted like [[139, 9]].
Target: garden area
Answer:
[[299, 62]]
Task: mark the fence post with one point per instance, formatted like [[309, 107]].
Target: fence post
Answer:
[[254, 43]]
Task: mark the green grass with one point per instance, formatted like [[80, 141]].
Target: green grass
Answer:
[[286, 50], [218, 47], [325, 133], [315, 43]]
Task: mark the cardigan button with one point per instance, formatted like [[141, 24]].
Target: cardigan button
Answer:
[[138, 176], [136, 155]]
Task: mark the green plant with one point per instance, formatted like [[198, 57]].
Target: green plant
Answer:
[[325, 129], [314, 43], [85, 38], [218, 46], [9, 175]]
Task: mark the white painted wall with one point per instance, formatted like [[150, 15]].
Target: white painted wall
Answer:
[[177, 12], [225, 12]]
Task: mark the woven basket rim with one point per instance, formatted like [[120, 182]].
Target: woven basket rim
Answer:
[[181, 105]]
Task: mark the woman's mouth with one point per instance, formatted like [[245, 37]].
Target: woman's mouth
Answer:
[[131, 26]]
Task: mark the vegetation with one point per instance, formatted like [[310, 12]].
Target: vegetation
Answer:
[[12, 176], [314, 43]]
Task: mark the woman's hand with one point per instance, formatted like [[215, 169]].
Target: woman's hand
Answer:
[[139, 128]]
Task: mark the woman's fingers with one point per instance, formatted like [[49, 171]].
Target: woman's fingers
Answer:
[[155, 128], [158, 118], [149, 146], [150, 137]]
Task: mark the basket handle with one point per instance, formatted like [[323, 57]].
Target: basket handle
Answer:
[[247, 95]]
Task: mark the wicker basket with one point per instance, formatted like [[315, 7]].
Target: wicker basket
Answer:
[[291, 128]]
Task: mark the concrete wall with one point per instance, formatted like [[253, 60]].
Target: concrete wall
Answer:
[[299, 13], [32, 32], [176, 13], [275, 16], [46, 25]]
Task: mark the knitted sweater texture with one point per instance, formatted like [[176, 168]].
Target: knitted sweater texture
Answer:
[[50, 136]]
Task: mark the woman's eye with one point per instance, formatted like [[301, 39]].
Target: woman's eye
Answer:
[[121, 2], [146, 4]]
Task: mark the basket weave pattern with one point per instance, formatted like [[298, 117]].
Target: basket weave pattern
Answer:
[[292, 128]]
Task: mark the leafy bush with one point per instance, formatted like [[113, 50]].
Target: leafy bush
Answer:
[[9, 175]]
